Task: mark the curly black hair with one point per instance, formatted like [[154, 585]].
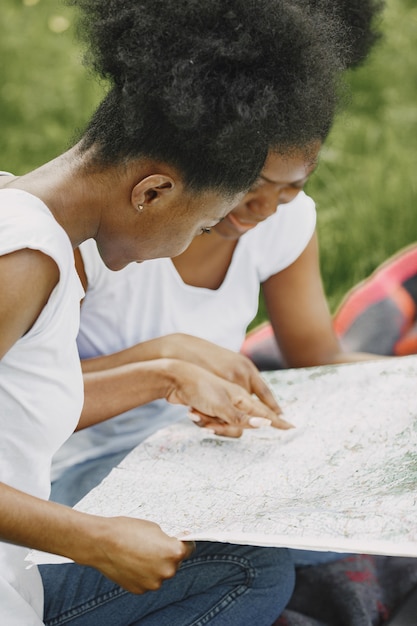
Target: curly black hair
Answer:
[[210, 86], [360, 26]]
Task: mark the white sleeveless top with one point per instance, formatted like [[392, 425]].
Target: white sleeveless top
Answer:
[[148, 300], [41, 391]]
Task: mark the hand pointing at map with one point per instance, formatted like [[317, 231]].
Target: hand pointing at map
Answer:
[[224, 407]]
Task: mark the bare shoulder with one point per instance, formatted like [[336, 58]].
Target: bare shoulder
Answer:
[[27, 278]]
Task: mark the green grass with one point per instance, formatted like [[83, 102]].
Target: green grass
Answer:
[[46, 95], [366, 184]]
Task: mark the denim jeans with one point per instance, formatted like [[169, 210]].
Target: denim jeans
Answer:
[[78, 480], [220, 584], [307, 558]]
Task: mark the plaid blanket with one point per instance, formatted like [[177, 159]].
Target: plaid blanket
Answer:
[[358, 590]]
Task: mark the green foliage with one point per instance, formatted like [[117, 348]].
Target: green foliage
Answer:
[[365, 187], [46, 95]]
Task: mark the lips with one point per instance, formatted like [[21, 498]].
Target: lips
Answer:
[[242, 227]]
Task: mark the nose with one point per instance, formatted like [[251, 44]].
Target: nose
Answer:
[[265, 203]]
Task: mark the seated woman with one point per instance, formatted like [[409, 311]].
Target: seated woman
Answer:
[[209, 293], [189, 118]]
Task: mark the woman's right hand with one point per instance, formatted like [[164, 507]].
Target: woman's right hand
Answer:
[[136, 554]]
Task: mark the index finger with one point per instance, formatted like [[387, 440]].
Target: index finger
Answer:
[[256, 409], [261, 389]]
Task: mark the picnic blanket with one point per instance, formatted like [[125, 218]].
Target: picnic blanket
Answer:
[[359, 590], [379, 315]]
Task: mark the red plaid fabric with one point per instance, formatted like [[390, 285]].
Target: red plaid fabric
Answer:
[[379, 315]]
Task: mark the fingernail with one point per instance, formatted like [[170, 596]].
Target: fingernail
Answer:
[[258, 422], [285, 424], [195, 418]]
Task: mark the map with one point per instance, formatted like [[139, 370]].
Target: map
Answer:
[[345, 479]]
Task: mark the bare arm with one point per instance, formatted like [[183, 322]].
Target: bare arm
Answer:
[[27, 278], [222, 405], [226, 364], [147, 371], [300, 317], [136, 554]]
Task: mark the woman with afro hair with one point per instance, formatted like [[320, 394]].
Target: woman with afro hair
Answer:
[[195, 308], [199, 93]]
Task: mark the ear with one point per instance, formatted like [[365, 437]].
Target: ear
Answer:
[[152, 190]]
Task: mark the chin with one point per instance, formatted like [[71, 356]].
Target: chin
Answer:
[[113, 264], [116, 267]]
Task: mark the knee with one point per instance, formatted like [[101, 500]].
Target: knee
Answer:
[[275, 568], [273, 581]]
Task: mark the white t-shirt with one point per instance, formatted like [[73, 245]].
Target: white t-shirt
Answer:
[[41, 390], [148, 300]]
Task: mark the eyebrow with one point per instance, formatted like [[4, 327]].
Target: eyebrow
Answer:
[[276, 182], [294, 182]]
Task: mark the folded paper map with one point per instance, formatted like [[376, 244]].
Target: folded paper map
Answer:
[[345, 479]]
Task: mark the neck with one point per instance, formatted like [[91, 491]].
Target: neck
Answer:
[[206, 261], [71, 195]]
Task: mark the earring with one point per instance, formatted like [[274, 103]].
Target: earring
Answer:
[[139, 207]]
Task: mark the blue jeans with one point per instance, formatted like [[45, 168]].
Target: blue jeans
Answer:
[[307, 558], [79, 479], [220, 584]]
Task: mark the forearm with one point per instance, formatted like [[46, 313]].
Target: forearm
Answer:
[[350, 357], [320, 347], [326, 350], [168, 346], [136, 554], [182, 346], [113, 391], [47, 526]]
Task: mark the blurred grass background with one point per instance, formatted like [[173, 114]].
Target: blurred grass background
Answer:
[[365, 186], [46, 94]]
